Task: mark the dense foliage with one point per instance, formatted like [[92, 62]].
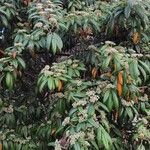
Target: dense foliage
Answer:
[[74, 75]]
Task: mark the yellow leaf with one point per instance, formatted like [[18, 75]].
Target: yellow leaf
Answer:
[[53, 131], [59, 85]]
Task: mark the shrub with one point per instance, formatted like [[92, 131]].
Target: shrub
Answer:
[[74, 75]]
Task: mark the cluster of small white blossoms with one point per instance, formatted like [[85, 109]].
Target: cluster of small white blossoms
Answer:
[[46, 10], [110, 86], [90, 134], [83, 115], [2, 136], [76, 136], [72, 63], [18, 44], [66, 121], [8, 109], [79, 103], [56, 95], [102, 115], [144, 98], [127, 103], [57, 145], [21, 141], [92, 96], [111, 50], [78, 82], [109, 43], [136, 55], [101, 86], [55, 70], [77, 13]]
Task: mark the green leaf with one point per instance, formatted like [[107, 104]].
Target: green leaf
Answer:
[[91, 110], [42, 85], [49, 41], [77, 146], [109, 102], [115, 100], [21, 62], [95, 145], [9, 80], [54, 45], [99, 136], [106, 62], [129, 112], [93, 122], [144, 65], [143, 72], [127, 11], [50, 83], [59, 41], [106, 96]]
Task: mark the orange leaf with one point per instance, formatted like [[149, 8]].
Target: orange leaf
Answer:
[[59, 85], [1, 146], [136, 37], [108, 74], [1, 54], [119, 83], [115, 66], [94, 72], [136, 99], [116, 116], [119, 88], [120, 77], [14, 54], [26, 2]]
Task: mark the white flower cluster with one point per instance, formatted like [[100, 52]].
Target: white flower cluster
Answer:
[[109, 43], [127, 103], [110, 86], [38, 25], [92, 96], [66, 121], [57, 145], [101, 86], [79, 103], [90, 93], [76, 136], [79, 82], [8, 109], [46, 10], [136, 55], [18, 44], [56, 70], [144, 98], [91, 135], [111, 50], [82, 115]]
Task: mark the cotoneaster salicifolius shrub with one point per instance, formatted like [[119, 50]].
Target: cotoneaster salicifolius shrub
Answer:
[[99, 100]]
